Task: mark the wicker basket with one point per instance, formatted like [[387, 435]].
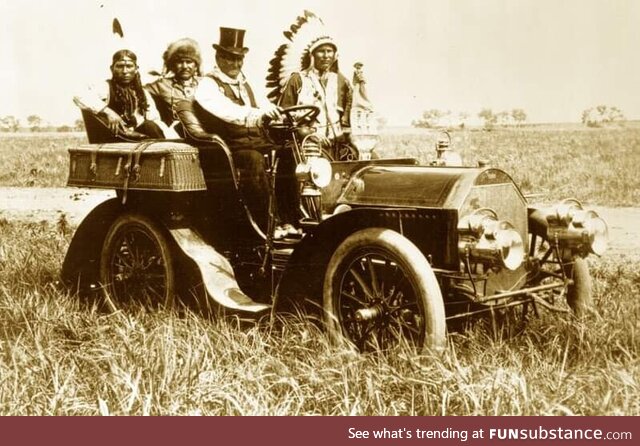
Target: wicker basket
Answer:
[[150, 165]]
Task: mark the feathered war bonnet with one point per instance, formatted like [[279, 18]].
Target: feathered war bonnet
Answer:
[[185, 48], [307, 34]]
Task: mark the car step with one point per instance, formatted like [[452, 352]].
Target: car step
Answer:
[[280, 258]]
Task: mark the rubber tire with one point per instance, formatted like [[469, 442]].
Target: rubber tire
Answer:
[[420, 274], [580, 294], [160, 238]]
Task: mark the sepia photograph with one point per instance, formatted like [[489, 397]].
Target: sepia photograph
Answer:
[[320, 207]]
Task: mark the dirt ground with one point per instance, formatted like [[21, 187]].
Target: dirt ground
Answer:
[[37, 204]]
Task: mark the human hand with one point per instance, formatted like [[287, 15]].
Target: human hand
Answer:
[[115, 123], [271, 113]]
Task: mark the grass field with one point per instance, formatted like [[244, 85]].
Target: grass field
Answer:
[[59, 355], [64, 356], [594, 165]]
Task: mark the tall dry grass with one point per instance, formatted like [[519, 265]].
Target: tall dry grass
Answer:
[[63, 356]]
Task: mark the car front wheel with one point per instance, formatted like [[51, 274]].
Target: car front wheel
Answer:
[[380, 291], [579, 294], [551, 267]]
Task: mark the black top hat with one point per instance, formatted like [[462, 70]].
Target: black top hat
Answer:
[[231, 41]]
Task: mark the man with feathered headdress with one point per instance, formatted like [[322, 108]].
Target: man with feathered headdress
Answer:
[[305, 71], [179, 78], [323, 85]]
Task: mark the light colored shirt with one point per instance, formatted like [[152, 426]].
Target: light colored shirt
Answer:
[[212, 98], [95, 97], [330, 92]]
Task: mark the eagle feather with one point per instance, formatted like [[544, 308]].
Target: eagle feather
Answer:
[[293, 56]]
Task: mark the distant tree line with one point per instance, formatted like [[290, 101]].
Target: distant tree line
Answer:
[[599, 116], [602, 115], [35, 124], [435, 118]]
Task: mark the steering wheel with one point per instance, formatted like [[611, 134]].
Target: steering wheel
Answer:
[[300, 114], [293, 118]]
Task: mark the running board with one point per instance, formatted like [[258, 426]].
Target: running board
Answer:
[[216, 271]]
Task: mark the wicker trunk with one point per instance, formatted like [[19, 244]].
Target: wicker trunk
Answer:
[[150, 165]]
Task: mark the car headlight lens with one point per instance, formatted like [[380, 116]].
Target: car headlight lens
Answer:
[[578, 229], [599, 233], [593, 228], [488, 240], [320, 172], [510, 246], [565, 211]]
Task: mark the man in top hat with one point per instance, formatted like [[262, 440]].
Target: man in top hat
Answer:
[[229, 99], [231, 110], [321, 84], [122, 102], [178, 81]]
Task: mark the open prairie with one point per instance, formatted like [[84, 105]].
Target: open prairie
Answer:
[[62, 355]]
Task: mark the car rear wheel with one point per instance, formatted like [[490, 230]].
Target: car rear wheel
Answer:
[[380, 291], [137, 261]]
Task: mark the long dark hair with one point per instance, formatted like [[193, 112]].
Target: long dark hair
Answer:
[[129, 97]]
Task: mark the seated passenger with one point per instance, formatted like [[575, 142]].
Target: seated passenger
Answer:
[[178, 81], [125, 107]]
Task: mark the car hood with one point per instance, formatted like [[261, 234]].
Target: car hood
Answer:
[[418, 186]]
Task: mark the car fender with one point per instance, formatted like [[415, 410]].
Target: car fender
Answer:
[[80, 267], [215, 271], [303, 276]]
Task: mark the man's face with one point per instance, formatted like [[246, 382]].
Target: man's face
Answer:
[[184, 68], [124, 70], [323, 57], [230, 64]]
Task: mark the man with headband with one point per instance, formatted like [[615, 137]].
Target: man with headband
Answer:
[[121, 102]]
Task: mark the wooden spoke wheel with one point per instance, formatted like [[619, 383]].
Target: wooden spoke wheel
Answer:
[[137, 261], [380, 291]]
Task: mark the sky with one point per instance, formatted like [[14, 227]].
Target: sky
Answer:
[[552, 58]]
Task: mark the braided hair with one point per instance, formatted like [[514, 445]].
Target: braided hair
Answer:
[[129, 97]]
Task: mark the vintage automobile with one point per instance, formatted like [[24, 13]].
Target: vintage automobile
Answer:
[[390, 252]]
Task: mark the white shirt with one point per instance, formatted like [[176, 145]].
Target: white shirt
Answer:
[[212, 98], [96, 97]]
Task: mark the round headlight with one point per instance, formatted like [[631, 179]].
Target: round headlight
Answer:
[[595, 228], [566, 211], [598, 234], [478, 221], [320, 171], [510, 245]]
